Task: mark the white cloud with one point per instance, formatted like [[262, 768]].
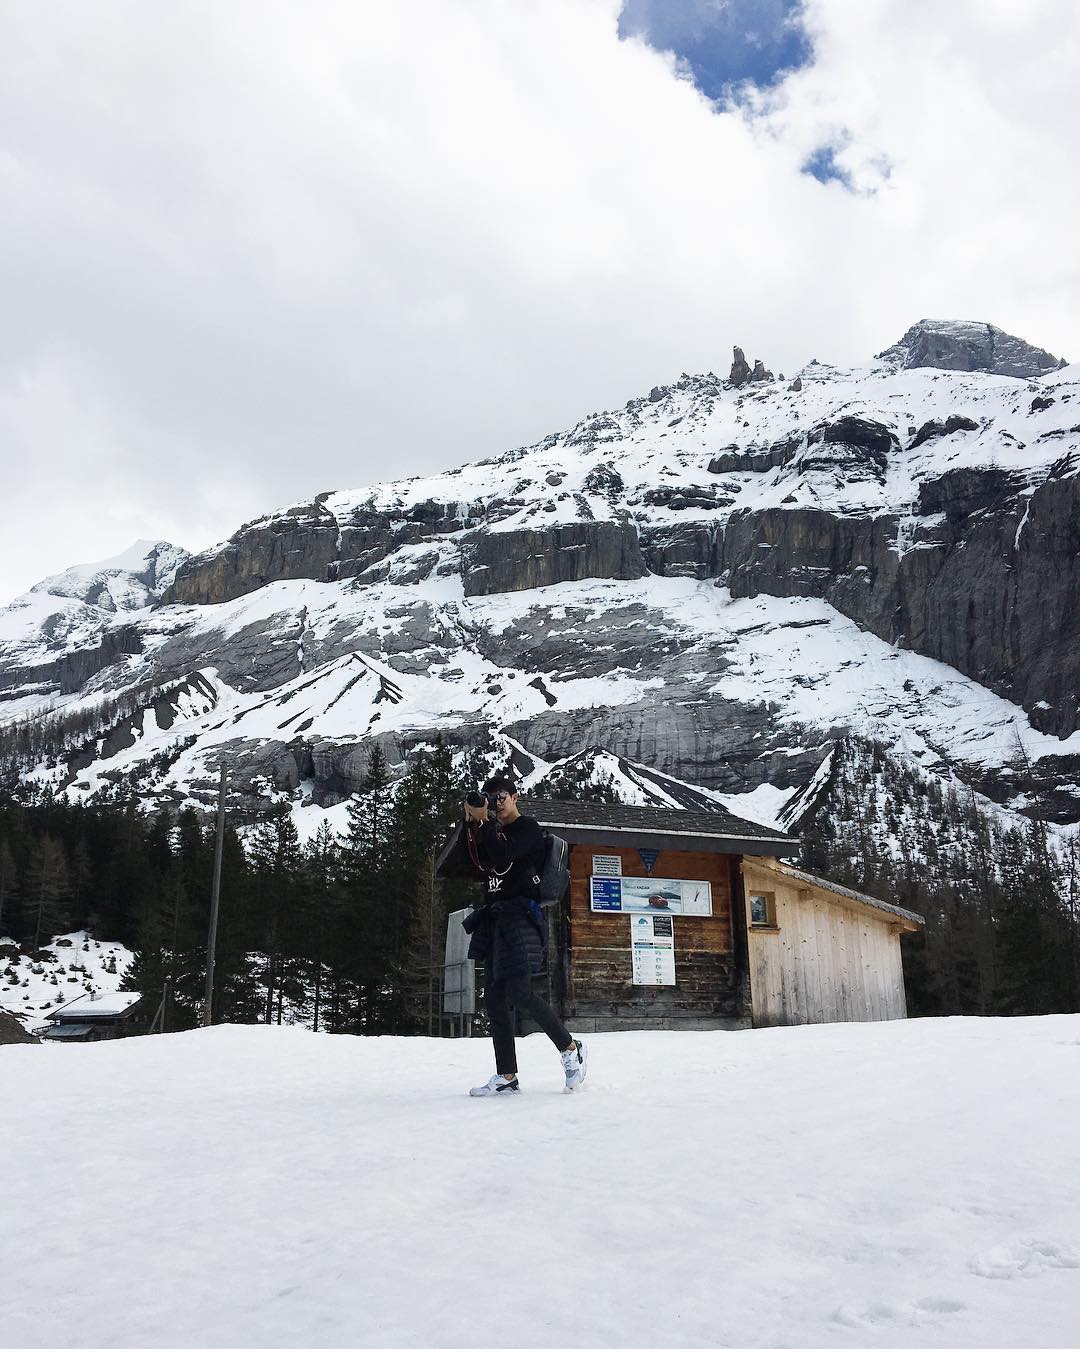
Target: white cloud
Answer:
[[254, 251]]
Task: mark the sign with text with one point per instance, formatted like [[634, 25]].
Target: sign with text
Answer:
[[603, 865], [648, 858], [637, 894], [652, 948]]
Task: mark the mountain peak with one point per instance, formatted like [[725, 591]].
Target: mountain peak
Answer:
[[130, 580], [967, 344]]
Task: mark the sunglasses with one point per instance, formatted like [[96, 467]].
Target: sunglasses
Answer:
[[501, 797]]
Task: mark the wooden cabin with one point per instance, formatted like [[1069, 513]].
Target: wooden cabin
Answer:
[[691, 920], [98, 1016]]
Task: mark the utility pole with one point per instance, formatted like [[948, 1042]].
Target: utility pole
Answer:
[[215, 898]]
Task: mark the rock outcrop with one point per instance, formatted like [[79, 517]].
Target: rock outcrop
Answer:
[[724, 747], [522, 559], [11, 1031], [71, 671], [993, 589], [740, 370], [931, 430], [958, 344], [301, 543]]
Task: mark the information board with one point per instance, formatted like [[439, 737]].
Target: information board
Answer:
[[639, 894], [652, 948]]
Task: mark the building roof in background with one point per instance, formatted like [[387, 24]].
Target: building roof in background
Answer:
[[664, 827], [907, 918], [73, 1030], [89, 1008], [718, 827]]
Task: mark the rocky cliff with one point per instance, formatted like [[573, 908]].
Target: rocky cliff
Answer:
[[950, 344]]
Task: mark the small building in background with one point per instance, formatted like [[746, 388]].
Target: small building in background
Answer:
[[691, 920], [99, 1016]]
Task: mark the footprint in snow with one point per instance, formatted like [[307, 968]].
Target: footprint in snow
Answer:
[[1024, 1259], [923, 1311]]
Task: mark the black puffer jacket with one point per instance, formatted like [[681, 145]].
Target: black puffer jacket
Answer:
[[503, 932], [505, 937]]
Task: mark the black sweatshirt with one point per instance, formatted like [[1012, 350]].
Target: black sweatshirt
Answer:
[[512, 856]]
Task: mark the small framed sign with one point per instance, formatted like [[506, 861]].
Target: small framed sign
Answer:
[[606, 865]]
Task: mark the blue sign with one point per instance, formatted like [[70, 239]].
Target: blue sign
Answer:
[[607, 893], [648, 857]]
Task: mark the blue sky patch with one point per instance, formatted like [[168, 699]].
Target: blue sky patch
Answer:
[[721, 43], [822, 165]]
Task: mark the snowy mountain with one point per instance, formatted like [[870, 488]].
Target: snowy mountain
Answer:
[[711, 583], [132, 580]]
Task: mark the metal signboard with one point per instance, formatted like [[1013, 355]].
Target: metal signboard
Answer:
[[658, 894], [459, 973]]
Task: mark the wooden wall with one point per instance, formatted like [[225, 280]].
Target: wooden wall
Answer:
[[827, 960], [598, 988]]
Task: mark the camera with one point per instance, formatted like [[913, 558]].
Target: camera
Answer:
[[477, 800]]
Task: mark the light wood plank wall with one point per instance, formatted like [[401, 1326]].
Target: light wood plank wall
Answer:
[[828, 960]]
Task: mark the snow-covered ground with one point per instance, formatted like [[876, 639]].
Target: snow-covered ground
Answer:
[[76, 963], [901, 1184]]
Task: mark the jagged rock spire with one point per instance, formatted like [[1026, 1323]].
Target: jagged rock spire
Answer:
[[742, 374], [740, 370]]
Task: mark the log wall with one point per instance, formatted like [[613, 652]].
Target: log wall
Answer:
[[598, 988]]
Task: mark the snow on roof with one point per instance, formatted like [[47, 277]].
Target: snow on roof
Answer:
[[86, 1006]]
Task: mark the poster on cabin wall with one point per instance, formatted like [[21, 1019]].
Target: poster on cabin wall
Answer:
[[652, 948], [642, 894]]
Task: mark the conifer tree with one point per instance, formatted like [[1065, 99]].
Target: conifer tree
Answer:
[[426, 813], [276, 873], [319, 909], [8, 882], [81, 878], [48, 888], [364, 856]]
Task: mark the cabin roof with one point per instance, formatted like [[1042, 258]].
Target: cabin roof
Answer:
[[916, 920], [96, 1008], [72, 1030], [664, 827], [709, 830]]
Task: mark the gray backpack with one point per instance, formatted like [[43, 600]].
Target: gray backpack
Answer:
[[555, 872]]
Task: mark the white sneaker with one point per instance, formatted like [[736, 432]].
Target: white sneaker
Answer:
[[575, 1064], [497, 1086]]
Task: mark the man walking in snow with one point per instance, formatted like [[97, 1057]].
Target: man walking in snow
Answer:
[[507, 934]]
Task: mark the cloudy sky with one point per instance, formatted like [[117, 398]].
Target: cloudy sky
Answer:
[[251, 250]]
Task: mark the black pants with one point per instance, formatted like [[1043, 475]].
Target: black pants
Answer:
[[501, 996]]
